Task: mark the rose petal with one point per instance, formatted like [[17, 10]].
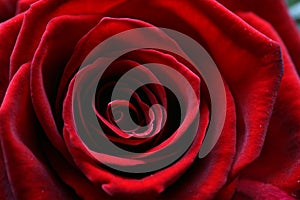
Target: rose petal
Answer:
[[276, 13], [9, 32], [47, 66], [279, 162], [73, 177], [37, 18], [25, 167]]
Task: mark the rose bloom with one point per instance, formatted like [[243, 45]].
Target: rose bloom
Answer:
[[256, 47]]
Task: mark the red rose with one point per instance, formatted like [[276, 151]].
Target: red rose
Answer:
[[48, 76]]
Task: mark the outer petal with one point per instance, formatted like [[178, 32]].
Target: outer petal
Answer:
[[276, 13], [48, 63], [37, 18], [279, 162], [9, 31], [24, 169]]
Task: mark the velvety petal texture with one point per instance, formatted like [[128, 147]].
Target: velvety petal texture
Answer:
[[285, 142], [21, 148], [47, 89]]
